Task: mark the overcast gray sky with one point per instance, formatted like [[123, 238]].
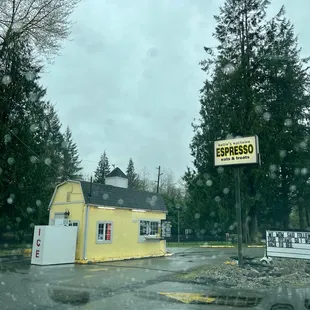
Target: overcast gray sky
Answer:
[[128, 80]]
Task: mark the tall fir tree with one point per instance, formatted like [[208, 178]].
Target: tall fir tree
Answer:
[[103, 169], [70, 158], [30, 143], [133, 178]]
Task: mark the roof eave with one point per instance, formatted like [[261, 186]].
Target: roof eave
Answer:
[[124, 208]]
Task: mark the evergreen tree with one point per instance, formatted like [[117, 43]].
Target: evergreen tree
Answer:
[[133, 179], [256, 84], [30, 144], [103, 169], [71, 162]]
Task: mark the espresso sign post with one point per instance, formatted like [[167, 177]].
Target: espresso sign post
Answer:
[[237, 152]]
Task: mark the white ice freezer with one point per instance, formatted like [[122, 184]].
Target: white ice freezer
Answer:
[[54, 245]]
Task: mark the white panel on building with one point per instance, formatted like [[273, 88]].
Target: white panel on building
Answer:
[[290, 244], [54, 245], [117, 181]]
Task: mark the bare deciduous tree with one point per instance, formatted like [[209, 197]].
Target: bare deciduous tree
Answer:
[[44, 23]]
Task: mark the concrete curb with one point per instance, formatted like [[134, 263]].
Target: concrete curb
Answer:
[[89, 262], [218, 246]]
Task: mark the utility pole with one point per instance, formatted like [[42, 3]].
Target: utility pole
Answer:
[[238, 215], [178, 208], [158, 178]]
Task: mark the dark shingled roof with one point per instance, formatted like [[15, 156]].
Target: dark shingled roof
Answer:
[[117, 172], [108, 195]]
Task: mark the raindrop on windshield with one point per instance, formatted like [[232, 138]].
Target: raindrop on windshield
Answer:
[[11, 160], [199, 183], [120, 201], [217, 199], [304, 171], [197, 216], [38, 203], [226, 190], [258, 109], [288, 122], [6, 80], [33, 127], [30, 76], [7, 138], [303, 144], [282, 153], [48, 161], [209, 183], [9, 200], [272, 168], [105, 196], [229, 69], [266, 116], [292, 188], [33, 159], [220, 170], [33, 97]]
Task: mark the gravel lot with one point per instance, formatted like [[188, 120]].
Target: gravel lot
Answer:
[[282, 272]]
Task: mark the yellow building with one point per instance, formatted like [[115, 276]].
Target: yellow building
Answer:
[[114, 222]]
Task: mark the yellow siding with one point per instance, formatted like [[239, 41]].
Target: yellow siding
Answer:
[[73, 188], [75, 206], [125, 235]]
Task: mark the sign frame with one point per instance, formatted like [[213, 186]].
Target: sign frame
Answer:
[[287, 250], [257, 153]]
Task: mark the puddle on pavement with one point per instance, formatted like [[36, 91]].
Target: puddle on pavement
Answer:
[[69, 296]]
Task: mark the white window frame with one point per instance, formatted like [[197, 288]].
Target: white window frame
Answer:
[[142, 238], [104, 228]]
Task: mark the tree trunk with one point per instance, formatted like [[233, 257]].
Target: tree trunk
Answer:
[[307, 217], [254, 225], [301, 215]]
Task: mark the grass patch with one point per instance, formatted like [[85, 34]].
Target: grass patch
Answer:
[[13, 249]]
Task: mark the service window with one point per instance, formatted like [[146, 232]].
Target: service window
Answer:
[[149, 228], [104, 232]]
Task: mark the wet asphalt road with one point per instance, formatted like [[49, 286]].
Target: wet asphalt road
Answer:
[[113, 285]]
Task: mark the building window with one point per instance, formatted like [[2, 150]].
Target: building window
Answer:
[[149, 228], [104, 232]]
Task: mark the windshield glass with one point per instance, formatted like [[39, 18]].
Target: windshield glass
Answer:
[[154, 154]]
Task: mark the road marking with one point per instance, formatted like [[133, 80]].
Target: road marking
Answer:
[[88, 276], [189, 298], [62, 281], [98, 269]]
